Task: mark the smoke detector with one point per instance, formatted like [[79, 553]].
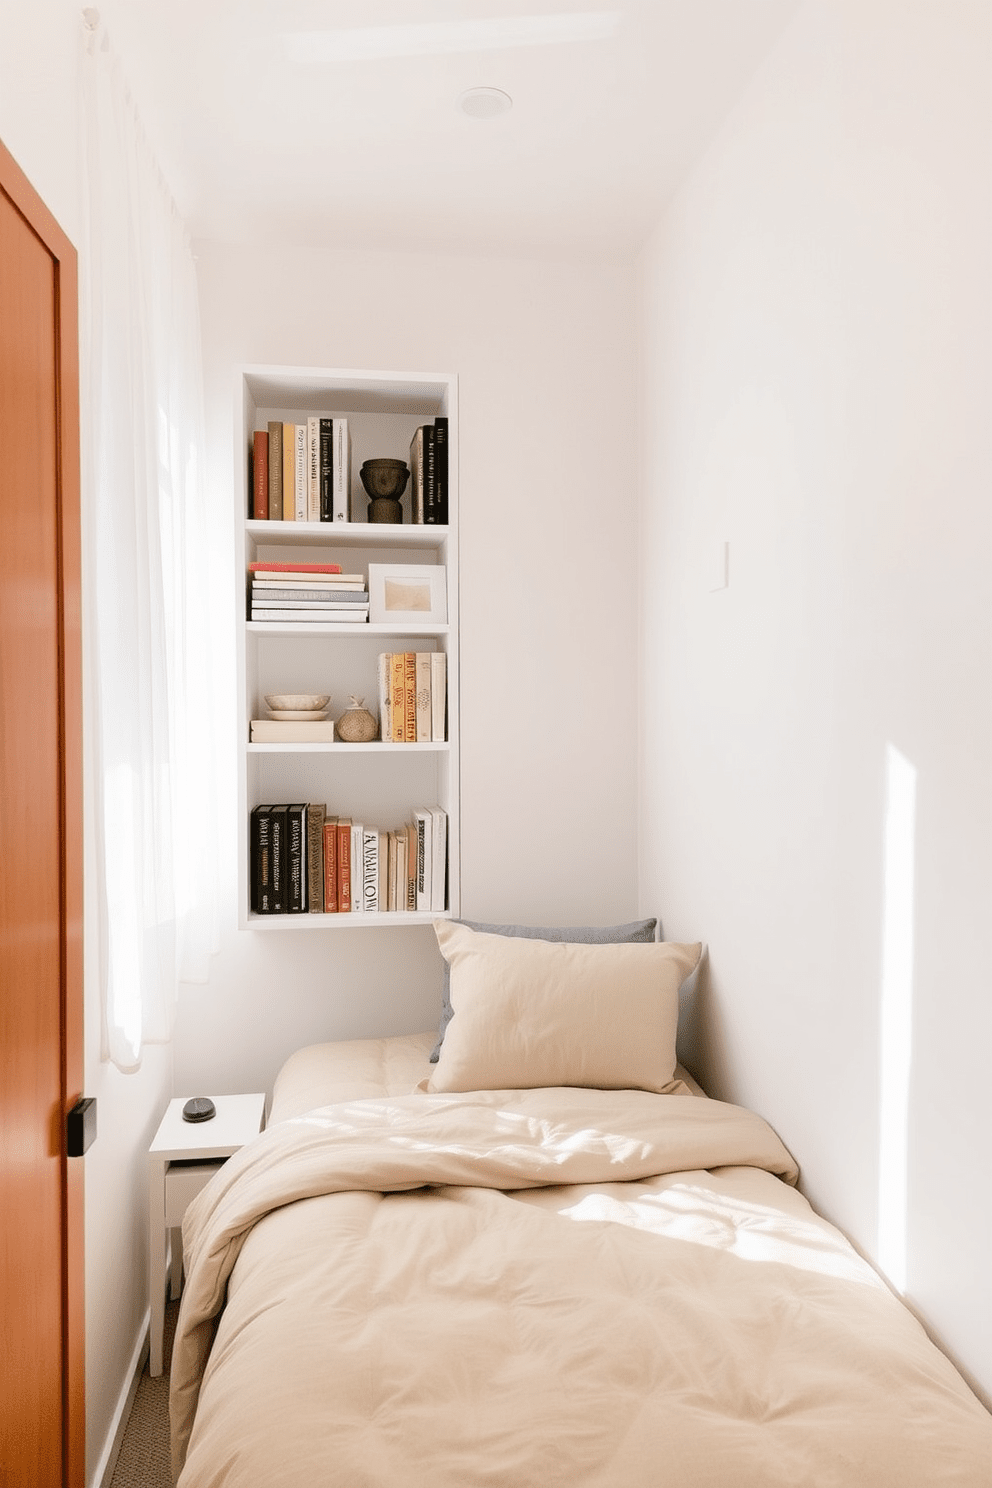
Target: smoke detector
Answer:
[[484, 103]]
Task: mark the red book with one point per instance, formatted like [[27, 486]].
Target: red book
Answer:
[[344, 864], [260, 476], [330, 867], [331, 568]]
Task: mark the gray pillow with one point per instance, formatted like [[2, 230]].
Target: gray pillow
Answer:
[[637, 930]]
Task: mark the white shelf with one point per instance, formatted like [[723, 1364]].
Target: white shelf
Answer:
[[383, 411], [338, 746], [345, 535], [383, 920], [346, 627]]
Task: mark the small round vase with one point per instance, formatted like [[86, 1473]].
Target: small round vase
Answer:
[[356, 724]]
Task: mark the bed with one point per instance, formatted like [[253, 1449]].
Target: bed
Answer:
[[541, 1257]]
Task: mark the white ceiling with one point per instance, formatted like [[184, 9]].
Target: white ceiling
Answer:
[[289, 120]]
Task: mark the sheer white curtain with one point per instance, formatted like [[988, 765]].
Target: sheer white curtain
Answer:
[[146, 583]]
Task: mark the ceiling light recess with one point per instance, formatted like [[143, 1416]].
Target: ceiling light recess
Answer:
[[484, 103]]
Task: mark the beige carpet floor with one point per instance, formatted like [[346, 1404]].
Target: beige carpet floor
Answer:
[[143, 1460]]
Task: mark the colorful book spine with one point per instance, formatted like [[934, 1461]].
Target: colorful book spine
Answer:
[[410, 696], [275, 472], [315, 858], [326, 475], [397, 696], [260, 476], [417, 476], [344, 864], [289, 472], [294, 568], [330, 850], [313, 469]]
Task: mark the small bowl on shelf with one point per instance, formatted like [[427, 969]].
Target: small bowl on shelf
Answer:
[[297, 702]]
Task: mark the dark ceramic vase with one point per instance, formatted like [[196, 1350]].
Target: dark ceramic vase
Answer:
[[385, 481]]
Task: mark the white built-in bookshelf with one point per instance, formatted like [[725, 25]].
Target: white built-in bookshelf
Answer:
[[376, 783]]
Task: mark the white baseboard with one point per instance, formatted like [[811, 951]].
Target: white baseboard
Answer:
[[104, 1470]]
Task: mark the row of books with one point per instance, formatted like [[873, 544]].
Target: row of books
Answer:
[[412, 697], [301, 472], [429, 473], [306, 592], [305, 861]]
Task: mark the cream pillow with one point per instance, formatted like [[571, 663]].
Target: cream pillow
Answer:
[[532, 1013]]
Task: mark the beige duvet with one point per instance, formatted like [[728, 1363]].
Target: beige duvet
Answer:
[[535, 1288]]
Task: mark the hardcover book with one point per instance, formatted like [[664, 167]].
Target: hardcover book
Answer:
[[341, 470], [296, 858], [370, 869], [275, 472], [260, 476], [352, 614], [410, 697], [384, 677], [290, 731], [425, 841], [278, 860], [331, 865], [315, 858], [417, 476], [441, 467], [297, 568], [397, 696], [326, 470], [424, 727], [439, 685], [430, 472], [344, 864], [313, 469], [302, 474], [260, 860], [357, 868], [289, 472], [439, 857]]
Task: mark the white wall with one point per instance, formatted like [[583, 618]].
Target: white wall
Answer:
[[544, 355], [817, 340], [39, 94]]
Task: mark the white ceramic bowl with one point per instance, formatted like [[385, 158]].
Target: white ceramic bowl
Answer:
[[297, 702]]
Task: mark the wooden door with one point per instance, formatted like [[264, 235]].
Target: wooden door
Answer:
[[41, 1218]]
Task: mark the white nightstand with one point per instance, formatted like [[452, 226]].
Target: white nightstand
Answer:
[[181, 1161]]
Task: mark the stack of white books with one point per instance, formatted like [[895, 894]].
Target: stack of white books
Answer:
[[307, 593]]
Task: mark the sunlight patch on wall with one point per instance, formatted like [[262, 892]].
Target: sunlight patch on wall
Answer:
[[896, 1031]]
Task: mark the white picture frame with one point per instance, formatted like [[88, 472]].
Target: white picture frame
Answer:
[[408, 594]]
